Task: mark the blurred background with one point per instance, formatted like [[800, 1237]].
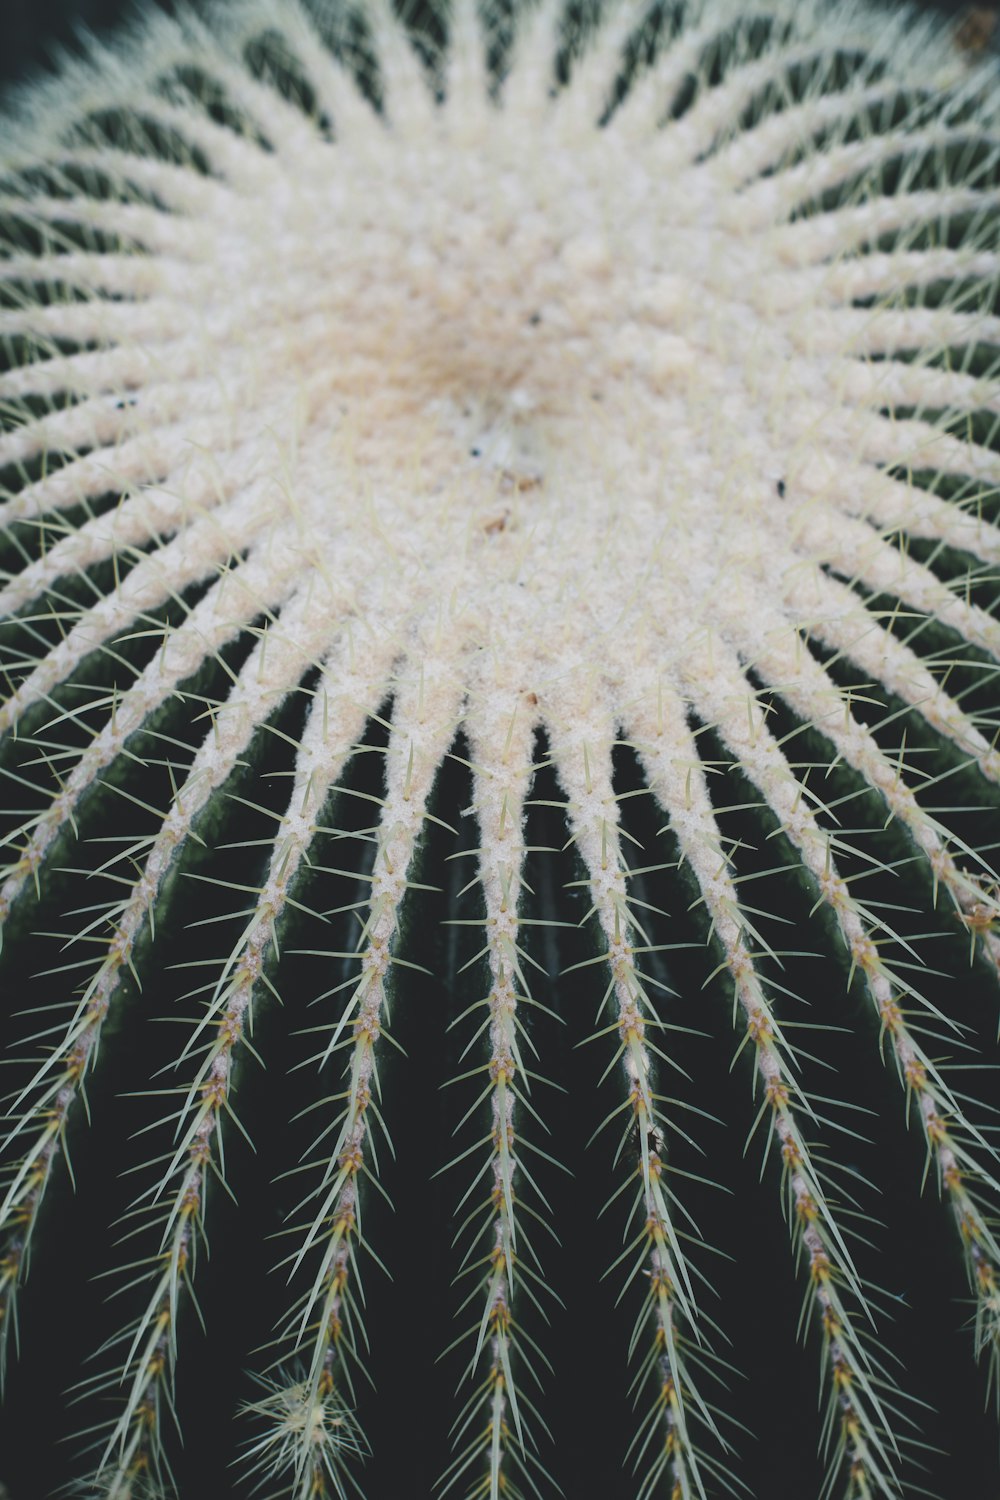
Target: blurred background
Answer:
[[33, 31]]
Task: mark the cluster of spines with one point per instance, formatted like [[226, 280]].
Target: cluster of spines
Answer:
[[669, 1340], [863, 1425], [176, 1202], [321, 1330], [497, 1449]]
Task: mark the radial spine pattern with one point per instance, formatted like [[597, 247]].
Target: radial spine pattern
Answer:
[[508, 392]]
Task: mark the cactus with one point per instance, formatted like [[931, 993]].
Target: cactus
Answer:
[[500, 531]]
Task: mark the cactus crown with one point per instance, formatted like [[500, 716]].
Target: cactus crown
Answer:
[[563, 437]]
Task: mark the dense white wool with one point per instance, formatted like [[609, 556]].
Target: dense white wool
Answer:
[[585, 409]]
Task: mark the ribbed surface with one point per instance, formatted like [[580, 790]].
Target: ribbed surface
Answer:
[[571, 446]]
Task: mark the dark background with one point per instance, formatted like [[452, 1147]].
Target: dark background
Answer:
[[31, 29]]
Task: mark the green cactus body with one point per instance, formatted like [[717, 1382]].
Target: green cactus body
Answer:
[[500, 525]]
